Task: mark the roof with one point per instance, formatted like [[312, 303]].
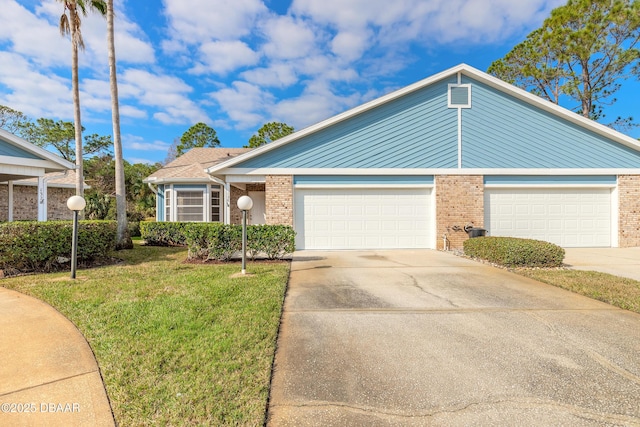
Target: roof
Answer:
[[51, 162], [191, 166], [54, 180], [462, 70]]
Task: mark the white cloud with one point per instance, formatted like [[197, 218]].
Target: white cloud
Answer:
[[132, 112], [32, 36], [244, 103], [196, 21], [350, 45], [136, 142], [479, 21], [221, 57], [279, 74], [35, 94], [317, 102], [287, 38], [131, 44], [168, 94]]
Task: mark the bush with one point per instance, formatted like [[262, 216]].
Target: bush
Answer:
[[164, 233], [46, 246], [134, 228], [515, 252], [273, 240], [212, 240]]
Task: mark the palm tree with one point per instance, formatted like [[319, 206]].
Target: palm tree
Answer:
[[70, 25], [123, 239]]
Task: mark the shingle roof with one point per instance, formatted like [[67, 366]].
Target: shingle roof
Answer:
[[53, 179], [193, 163]]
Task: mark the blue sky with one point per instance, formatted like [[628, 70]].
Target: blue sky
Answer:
[[236, 65]]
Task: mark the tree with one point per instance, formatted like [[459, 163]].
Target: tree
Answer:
[[532, 66], [12, 120], [198, 135], [60, 136], [123, 240], [582, 51], [172, 152], [70, 25], [269, 132]]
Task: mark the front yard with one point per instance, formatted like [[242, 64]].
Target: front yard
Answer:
[[177, 344]]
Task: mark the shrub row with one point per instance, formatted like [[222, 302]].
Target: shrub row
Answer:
[[164, 233], [515, 252], [212, 240], [27, 246]]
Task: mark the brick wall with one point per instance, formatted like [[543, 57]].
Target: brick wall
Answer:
[[459, 201], [629, 208], [25, 203], [57, 203], [4, 202], [279, 199], [235, 216]]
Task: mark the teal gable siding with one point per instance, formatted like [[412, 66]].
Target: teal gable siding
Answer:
[[500, 131], [414, 131], [160, 203], [11, 150]]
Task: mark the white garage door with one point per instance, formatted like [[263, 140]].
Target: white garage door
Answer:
[[566, 217], [363, 218]]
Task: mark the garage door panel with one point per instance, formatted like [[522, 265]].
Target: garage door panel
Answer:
[[567, 217], [363, 218]]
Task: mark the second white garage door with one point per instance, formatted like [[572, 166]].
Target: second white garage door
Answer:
[[579, 217], [371, 218]]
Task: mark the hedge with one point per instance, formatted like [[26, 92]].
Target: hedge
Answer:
[[515, 252], [27, 246], [164, 233], [212, 240]]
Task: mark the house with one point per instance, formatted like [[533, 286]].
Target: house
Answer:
[[413, 168], [185, 192], [34, 183]]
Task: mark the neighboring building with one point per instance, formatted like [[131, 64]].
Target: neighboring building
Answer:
[[413, 168], [34, 183], [185, 192]]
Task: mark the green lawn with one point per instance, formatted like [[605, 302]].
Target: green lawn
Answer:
[[177, 344], [618, 291]]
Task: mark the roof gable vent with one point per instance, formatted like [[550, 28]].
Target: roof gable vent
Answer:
[[460, 96]]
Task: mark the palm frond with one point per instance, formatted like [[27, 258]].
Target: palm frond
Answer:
[[64, 25]]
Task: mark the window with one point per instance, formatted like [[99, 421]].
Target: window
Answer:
[[194, 203], [189, 206], [216, 208], [167, 204]]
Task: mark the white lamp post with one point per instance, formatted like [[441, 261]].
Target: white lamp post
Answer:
[[76, 204], [244, 204]]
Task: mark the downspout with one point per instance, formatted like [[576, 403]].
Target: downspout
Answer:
[[42, 197], [227, 197], [153, 190]]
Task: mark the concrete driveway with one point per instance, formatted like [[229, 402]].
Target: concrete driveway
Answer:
[[414, 338], [623, 262]]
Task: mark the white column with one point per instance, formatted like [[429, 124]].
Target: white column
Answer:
[[42, 199], [227, 203], [10, 213]]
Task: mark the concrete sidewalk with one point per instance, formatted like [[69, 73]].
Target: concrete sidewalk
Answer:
[[623, 262], [48, 374]]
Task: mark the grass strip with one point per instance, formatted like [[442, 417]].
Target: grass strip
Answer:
[[617, 291], [177, 344]]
